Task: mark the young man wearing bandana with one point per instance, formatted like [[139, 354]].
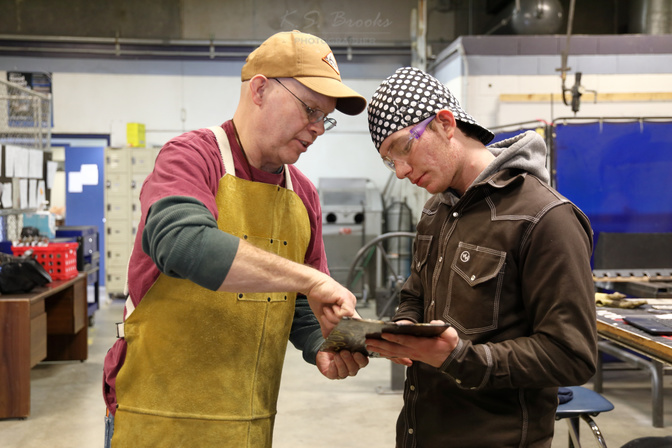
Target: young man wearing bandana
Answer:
[[499, 255], [230, 233]]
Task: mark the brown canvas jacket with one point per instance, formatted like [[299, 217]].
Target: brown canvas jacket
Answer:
[[508, 265]]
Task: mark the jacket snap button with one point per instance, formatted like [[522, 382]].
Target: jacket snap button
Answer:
[[410, 430], [455, 214], [440, 259], [473, 277]]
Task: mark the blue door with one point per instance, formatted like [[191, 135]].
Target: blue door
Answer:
[[85, 193]]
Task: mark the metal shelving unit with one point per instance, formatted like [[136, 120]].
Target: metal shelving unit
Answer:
[[25, 121]]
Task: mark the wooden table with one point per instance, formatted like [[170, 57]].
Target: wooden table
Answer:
[[619, 336], [49, 323]]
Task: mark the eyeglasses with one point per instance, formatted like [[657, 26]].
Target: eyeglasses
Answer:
[[399, 150], [314, 115]]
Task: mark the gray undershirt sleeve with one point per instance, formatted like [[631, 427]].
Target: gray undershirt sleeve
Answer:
[[305, 334], [182, 238]]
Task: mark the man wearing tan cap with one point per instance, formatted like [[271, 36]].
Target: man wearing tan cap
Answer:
[[229, 262]]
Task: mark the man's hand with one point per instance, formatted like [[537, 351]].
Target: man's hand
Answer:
[[402, 349], [330, 302], [338, 366]]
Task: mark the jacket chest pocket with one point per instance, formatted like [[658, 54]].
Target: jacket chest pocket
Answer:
[[475, 288]]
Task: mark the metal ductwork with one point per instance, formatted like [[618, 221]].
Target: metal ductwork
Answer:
[[651, 17], [531, 17], [536, 16]]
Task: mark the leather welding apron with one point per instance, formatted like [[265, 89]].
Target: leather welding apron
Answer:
[[203, 368]]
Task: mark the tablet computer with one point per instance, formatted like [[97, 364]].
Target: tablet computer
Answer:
[[651, 325]]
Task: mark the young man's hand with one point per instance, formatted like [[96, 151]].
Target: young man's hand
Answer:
[[403, 349]]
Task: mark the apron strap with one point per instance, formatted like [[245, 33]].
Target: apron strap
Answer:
[[129, 303], [224, 149], [129, 310], [288, 179]]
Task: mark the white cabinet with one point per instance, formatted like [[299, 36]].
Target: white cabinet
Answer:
[[125, 171]]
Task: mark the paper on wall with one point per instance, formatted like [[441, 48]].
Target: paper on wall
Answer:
[[41, 193], [35, 163], [89, 174], [32, 193], [23, 193], [10, 156], [75, 182], [51, 173], [7, 195], [21, 162]]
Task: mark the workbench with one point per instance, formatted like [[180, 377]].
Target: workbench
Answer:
[[620, 340], [48, 324]]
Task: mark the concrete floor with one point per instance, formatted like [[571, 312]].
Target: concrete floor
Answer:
[[67, 409]]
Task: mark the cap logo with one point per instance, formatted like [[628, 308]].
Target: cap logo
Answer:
[[331, 60]]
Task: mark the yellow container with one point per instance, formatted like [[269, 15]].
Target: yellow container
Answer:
[[135, 134]]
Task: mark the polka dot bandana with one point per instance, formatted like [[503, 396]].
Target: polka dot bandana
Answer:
[[410, 96]]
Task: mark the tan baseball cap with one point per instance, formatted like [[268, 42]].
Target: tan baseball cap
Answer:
[[309, 60]]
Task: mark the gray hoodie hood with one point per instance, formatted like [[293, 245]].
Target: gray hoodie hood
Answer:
[[526, 152]]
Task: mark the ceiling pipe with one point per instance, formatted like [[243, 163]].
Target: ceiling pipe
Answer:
[[205, 49]]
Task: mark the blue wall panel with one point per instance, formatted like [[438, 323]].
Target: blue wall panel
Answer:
[[618, 173]]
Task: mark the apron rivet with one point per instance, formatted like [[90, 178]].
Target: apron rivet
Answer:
[[245, 236], [240, 296], [285, 243], [271, 241], [269, 299]]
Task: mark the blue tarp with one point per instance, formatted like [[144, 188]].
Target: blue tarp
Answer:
[[619, 174]]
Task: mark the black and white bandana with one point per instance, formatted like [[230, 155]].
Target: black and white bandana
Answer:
[[410, 96]]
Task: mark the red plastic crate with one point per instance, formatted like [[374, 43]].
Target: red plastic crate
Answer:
[[58, 259]]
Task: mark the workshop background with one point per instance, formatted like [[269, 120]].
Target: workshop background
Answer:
[[174, 65]]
